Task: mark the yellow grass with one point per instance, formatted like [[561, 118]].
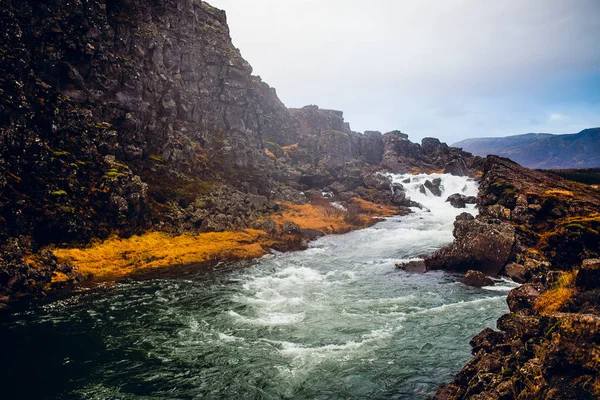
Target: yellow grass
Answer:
[[270, 153], [556, 298], [372, 209], [308, 216], [559, 192], [116, 257], [328, 219], [291, 147]]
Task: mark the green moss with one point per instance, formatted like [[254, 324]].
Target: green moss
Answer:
[[156, 157], [102, 125], [576, 227], [112, 174]]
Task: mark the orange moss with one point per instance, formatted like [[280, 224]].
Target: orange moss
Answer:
[[556, 298], [373, 209], [270, 153], [559, 192], [58, 277], [328, 219], [553, 300], [116, 257], [290, 148]]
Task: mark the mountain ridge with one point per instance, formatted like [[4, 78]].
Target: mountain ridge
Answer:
[[541, 150]]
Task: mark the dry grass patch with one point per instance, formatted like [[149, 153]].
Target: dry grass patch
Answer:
[[270, 153], [372, 209], [116, 257], [559, 296], [290, 148], [328, 219], [554, 192]]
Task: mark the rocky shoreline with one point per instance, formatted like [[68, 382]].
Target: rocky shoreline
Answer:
[[542, 231]]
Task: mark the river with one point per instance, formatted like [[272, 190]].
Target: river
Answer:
[[336, 321]]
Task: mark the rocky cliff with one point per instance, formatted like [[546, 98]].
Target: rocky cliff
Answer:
[[117, 117], [542, 231]]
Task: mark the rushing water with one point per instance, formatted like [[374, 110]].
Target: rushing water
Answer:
[[336, 321]]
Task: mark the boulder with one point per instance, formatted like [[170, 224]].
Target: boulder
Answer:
[[397, 187], [434, 186], [523, 297], [290, 227], [399, 199], [337, 188], [477, 279], [376, 181], [516, 272], [486, 340], [457, 200], [479, 245], [417, 266]]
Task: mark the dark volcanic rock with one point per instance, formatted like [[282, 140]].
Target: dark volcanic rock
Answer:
[[479, 245], [516, 272], [523, 297], [457, 200], [413, 266], [588, 276], [434, 186], [477, 279], [553, 325]]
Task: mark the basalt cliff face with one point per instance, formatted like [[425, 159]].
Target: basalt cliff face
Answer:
[[119, 117], [542, 231]]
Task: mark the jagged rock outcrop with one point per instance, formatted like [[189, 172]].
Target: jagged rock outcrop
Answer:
[[482, 245], [402, 156], [545, 348]]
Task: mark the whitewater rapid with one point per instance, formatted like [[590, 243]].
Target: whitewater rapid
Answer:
[[336, 321]]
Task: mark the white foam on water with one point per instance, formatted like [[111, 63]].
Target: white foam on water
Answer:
[[460, 304], [269, 318], [304, 353]]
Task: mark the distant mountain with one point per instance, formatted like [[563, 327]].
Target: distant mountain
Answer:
[[542, 150]]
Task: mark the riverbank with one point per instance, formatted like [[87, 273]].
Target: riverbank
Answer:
[[289, 229], [337, 319]]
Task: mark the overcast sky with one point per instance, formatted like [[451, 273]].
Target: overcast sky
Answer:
[[446, 68]]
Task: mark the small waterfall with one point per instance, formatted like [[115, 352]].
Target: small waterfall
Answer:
[[450, 184]]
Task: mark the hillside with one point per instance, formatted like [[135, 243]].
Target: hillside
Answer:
[[542, 150]]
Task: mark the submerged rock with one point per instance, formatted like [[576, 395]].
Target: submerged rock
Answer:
[[477, 279], [458, 200], [516, 272], [434, 186], [417, 266]]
